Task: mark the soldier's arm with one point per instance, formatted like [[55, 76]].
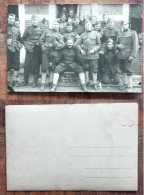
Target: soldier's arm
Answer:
[[98, 43], [42, 38], [78, 43], [60, 43], [24, 37], [134, 45]]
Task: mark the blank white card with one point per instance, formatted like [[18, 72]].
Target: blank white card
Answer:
[[72, 147]]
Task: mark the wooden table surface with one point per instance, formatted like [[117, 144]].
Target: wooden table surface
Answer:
[[57, 98]]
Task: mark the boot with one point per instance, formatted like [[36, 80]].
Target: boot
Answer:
[[42, 86], [124, 82], [130, 82], [54, 88], [94, 75], [84, 88]]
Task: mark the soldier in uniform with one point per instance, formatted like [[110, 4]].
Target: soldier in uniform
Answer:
[[127, 45], [71, 17], [51, 42], [33, 52], [110, 69], [13, 48], [78, 27], [105, 20], [68, 62], [93, 20], [88, 45], [62, 23], [69, 34], [58, 44], [97, 28]]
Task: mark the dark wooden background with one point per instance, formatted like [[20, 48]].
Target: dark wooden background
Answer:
[[57, 98]]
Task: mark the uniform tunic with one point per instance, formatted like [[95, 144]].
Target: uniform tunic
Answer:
[[33, 53], [130, 42], [68, 61], [51, 54], [13, 49], [110, 69], [88, 41]]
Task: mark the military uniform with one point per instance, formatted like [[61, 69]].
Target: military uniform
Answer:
[[62, 26], [110, 69], [128, 39], [13, 47], [79, 29], [51, 42], [33, 52], [68, 61], [69, 35], [88, 41]]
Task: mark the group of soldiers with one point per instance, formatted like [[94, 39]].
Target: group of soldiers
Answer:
[[95, 50]]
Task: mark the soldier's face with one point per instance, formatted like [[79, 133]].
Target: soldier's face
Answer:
[[97, 27], [11, 20], [125, 26], [64, 9], [69, 28], [17, 24], [63, 18], [45, 25], [69, 43], [56, 26], [111, 24], [35, 21], [71, 14], [77, 21], [93, 20], [109, 46], [105, 18], [88, 26]]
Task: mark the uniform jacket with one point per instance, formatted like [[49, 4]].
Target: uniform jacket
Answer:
[[53, 37], [88, 41], [69, 35], [108, 33], [79, 29], [110, 63], [130, 41], [14, 34], [31, 37], [62, 26], [68, 55]]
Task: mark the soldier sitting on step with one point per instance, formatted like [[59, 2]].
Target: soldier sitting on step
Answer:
[[110, 68], [68, 62]]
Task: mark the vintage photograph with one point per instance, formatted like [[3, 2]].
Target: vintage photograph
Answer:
[[74, 48]]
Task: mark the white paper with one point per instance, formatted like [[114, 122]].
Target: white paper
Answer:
[[72, 147]]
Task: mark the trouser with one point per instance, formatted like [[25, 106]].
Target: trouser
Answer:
[[125, 66], [90, 65], [64, 67], [45, 61], [13, 60], [35, 59], [107, 77]]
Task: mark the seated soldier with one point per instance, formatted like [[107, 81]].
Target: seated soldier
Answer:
[[68, 62], [69, 34], [110, 69]]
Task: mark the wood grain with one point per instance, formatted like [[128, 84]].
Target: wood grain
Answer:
[[57, 98]]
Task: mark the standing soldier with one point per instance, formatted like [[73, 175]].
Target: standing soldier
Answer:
[[78, 27], [13, 48], [33, 52], [105, 20], [127, 45], [69, 34], [88, 45], [62, 23], [51, 42]]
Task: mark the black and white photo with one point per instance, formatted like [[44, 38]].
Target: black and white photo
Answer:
[[74, 48]]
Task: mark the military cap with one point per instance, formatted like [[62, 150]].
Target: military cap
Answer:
[[44, 20], [34, 16], [87, 21], [110, 41]]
